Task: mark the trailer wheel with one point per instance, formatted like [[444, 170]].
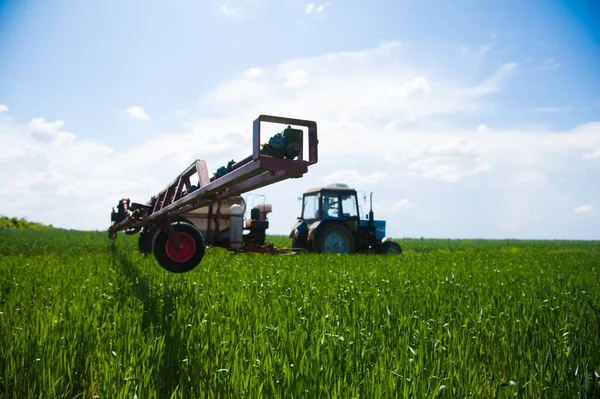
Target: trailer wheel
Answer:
[[390, 248], [333, 238], [147, 235], [178, 260], [145, 240]]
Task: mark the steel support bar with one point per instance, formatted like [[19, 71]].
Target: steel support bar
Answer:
[[247, 178], [260, 181], [202, 170], [173, 191], [168, 229], [243, 173]]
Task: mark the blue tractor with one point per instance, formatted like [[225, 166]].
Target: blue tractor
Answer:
[[330, 223]]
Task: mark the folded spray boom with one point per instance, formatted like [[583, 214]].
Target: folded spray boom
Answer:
[[177, 242]]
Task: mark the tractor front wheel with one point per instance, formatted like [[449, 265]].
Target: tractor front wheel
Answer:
[[333, 238], [179, 260], [390, 248], [298, 242]]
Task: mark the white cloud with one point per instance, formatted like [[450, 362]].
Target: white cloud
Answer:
[[3, 108], [585, 209], [448, 169], [411, 91], [252, 73], [528, 178], [495, 82], [371, 126], [354, 178], [451, 161], [592, 154], [50, 131], [402, 205], [51, 176], [482, 129], [374, 110], [231, 12], [390, 88], [316, 8], [40, 124], [296, 78], [137, 112]]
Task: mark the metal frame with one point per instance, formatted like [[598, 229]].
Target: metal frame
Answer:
[[253, 172]]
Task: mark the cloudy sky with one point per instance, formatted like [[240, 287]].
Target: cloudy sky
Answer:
[[466, 118]]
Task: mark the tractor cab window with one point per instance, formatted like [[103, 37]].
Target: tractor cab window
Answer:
[[331, 206], [310, 207], [349, 206]]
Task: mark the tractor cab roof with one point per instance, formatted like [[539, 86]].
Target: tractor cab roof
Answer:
[[339, 187]]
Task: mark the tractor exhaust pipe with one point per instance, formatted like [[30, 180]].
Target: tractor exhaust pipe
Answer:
[[371, 218]]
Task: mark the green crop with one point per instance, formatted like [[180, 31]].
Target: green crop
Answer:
[[82, 316], [20, 223]]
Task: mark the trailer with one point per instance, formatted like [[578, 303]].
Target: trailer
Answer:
[[196, 210]]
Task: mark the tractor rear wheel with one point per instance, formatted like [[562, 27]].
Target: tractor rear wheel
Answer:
[[179, 260], [333, 238], [390, 248]]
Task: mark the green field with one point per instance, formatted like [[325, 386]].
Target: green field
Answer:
[[83, 316]]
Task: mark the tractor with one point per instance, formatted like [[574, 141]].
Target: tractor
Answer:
[[330, 223]]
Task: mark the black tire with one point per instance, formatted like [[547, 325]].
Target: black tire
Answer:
[[298, 243], [173, 259], [147, 235], [333, 238], [390, 248], [181, 219], [145, 240]]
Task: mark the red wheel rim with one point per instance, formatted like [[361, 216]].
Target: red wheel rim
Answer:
[[186, 252]]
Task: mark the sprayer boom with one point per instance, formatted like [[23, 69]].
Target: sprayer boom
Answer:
[[282, 157]]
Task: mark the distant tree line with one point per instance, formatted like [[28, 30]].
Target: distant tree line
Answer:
[[20, 223]]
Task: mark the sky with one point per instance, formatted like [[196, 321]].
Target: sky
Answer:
[[466, 119]]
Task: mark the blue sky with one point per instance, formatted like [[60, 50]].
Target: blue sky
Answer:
[[466, 118]]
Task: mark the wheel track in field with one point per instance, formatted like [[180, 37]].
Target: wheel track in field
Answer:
[[158, 305], [140, 287]]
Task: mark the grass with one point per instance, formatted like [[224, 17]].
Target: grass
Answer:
[[83, 316]]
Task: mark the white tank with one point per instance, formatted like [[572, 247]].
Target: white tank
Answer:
[[236, 227], [225, 206], [199, 216]]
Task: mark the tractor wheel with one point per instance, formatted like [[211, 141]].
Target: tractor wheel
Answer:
[[390, 248], [333, 238], [178, 260], [298, 243]]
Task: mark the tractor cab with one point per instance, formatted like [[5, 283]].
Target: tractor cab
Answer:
[[335, 201], [330, 222]]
